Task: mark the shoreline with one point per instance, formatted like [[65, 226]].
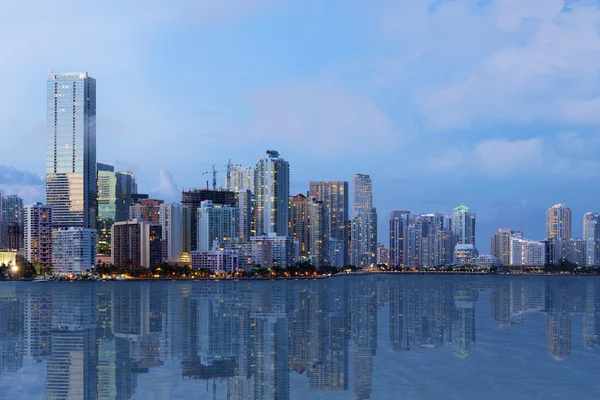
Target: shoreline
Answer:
[[316, 277]]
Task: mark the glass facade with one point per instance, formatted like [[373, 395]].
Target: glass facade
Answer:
[[71, 149]]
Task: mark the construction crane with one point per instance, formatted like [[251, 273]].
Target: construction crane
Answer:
[[214, 175]]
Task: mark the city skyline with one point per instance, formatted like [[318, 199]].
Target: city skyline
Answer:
[[504, 155]]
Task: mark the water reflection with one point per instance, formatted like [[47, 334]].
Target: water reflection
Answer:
[[363, 337]]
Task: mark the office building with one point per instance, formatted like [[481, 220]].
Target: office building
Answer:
[[136, 244], [363, 245], [463, 225], [71, 149], [363, 193], [272, 193], [114, 198], [38, 235], [591, 236], [171, 222], [383, 254], [219, 261], [239, 178], [192, 198], [271, 250], [334, 196], [299, 222], [558, 222], [216, 224], [73, 251], [11, 208]]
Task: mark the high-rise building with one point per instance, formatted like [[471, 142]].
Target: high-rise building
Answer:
[[363, 193], [317, 238], [245, 205], [558, 222], [136, 243], [11, 208], [114, 198], [147, 210], [38, 235], [399, 220], [272, 192], [500, 244], [463, 225], [193, 198], [216, 223], [526, 252], [363, 246], [171, 222], [71, 149], [591, 236], [73, 250], [334, 195], [239, 178], [299, 222]]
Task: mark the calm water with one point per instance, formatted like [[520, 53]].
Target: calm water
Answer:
[[383, 337]]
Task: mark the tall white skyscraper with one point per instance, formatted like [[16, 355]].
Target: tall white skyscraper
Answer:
[[591, 236], [558, 222], [71, 149], [363, 193], [272, 193], [239, 178], [170, 219], [363, 246], [463, 225]]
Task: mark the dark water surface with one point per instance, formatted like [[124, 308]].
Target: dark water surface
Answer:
[[374, 337]]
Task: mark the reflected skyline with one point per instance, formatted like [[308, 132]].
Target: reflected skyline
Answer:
[[346, 338]]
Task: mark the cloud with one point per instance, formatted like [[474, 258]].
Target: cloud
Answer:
[[515, 61], [321, 119], [501, 157], [167, 188], [14, 176]]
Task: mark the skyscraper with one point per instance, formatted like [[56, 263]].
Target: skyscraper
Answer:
[[272, 192], [591, 236], [193, 198], [73, 250], [171, 221], [558, 222], [363, 193], [239, 178], [399, 220], [463, 225], [216, 224], [363, 251], [317, 243], [136, 244], [71, 149], [334, 195], [299, 222]]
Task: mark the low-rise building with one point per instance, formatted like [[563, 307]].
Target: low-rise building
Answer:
[[270, 250], [485, 261], [464, 254], [219, 261]]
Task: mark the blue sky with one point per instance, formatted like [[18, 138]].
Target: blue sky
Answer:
[[490, 103]]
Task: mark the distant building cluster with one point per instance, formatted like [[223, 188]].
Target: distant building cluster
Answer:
[[94, 213]]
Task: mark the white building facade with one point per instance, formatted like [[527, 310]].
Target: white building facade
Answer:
[[73, 251]]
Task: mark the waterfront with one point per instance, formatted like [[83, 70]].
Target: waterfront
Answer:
[[353, 337]]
